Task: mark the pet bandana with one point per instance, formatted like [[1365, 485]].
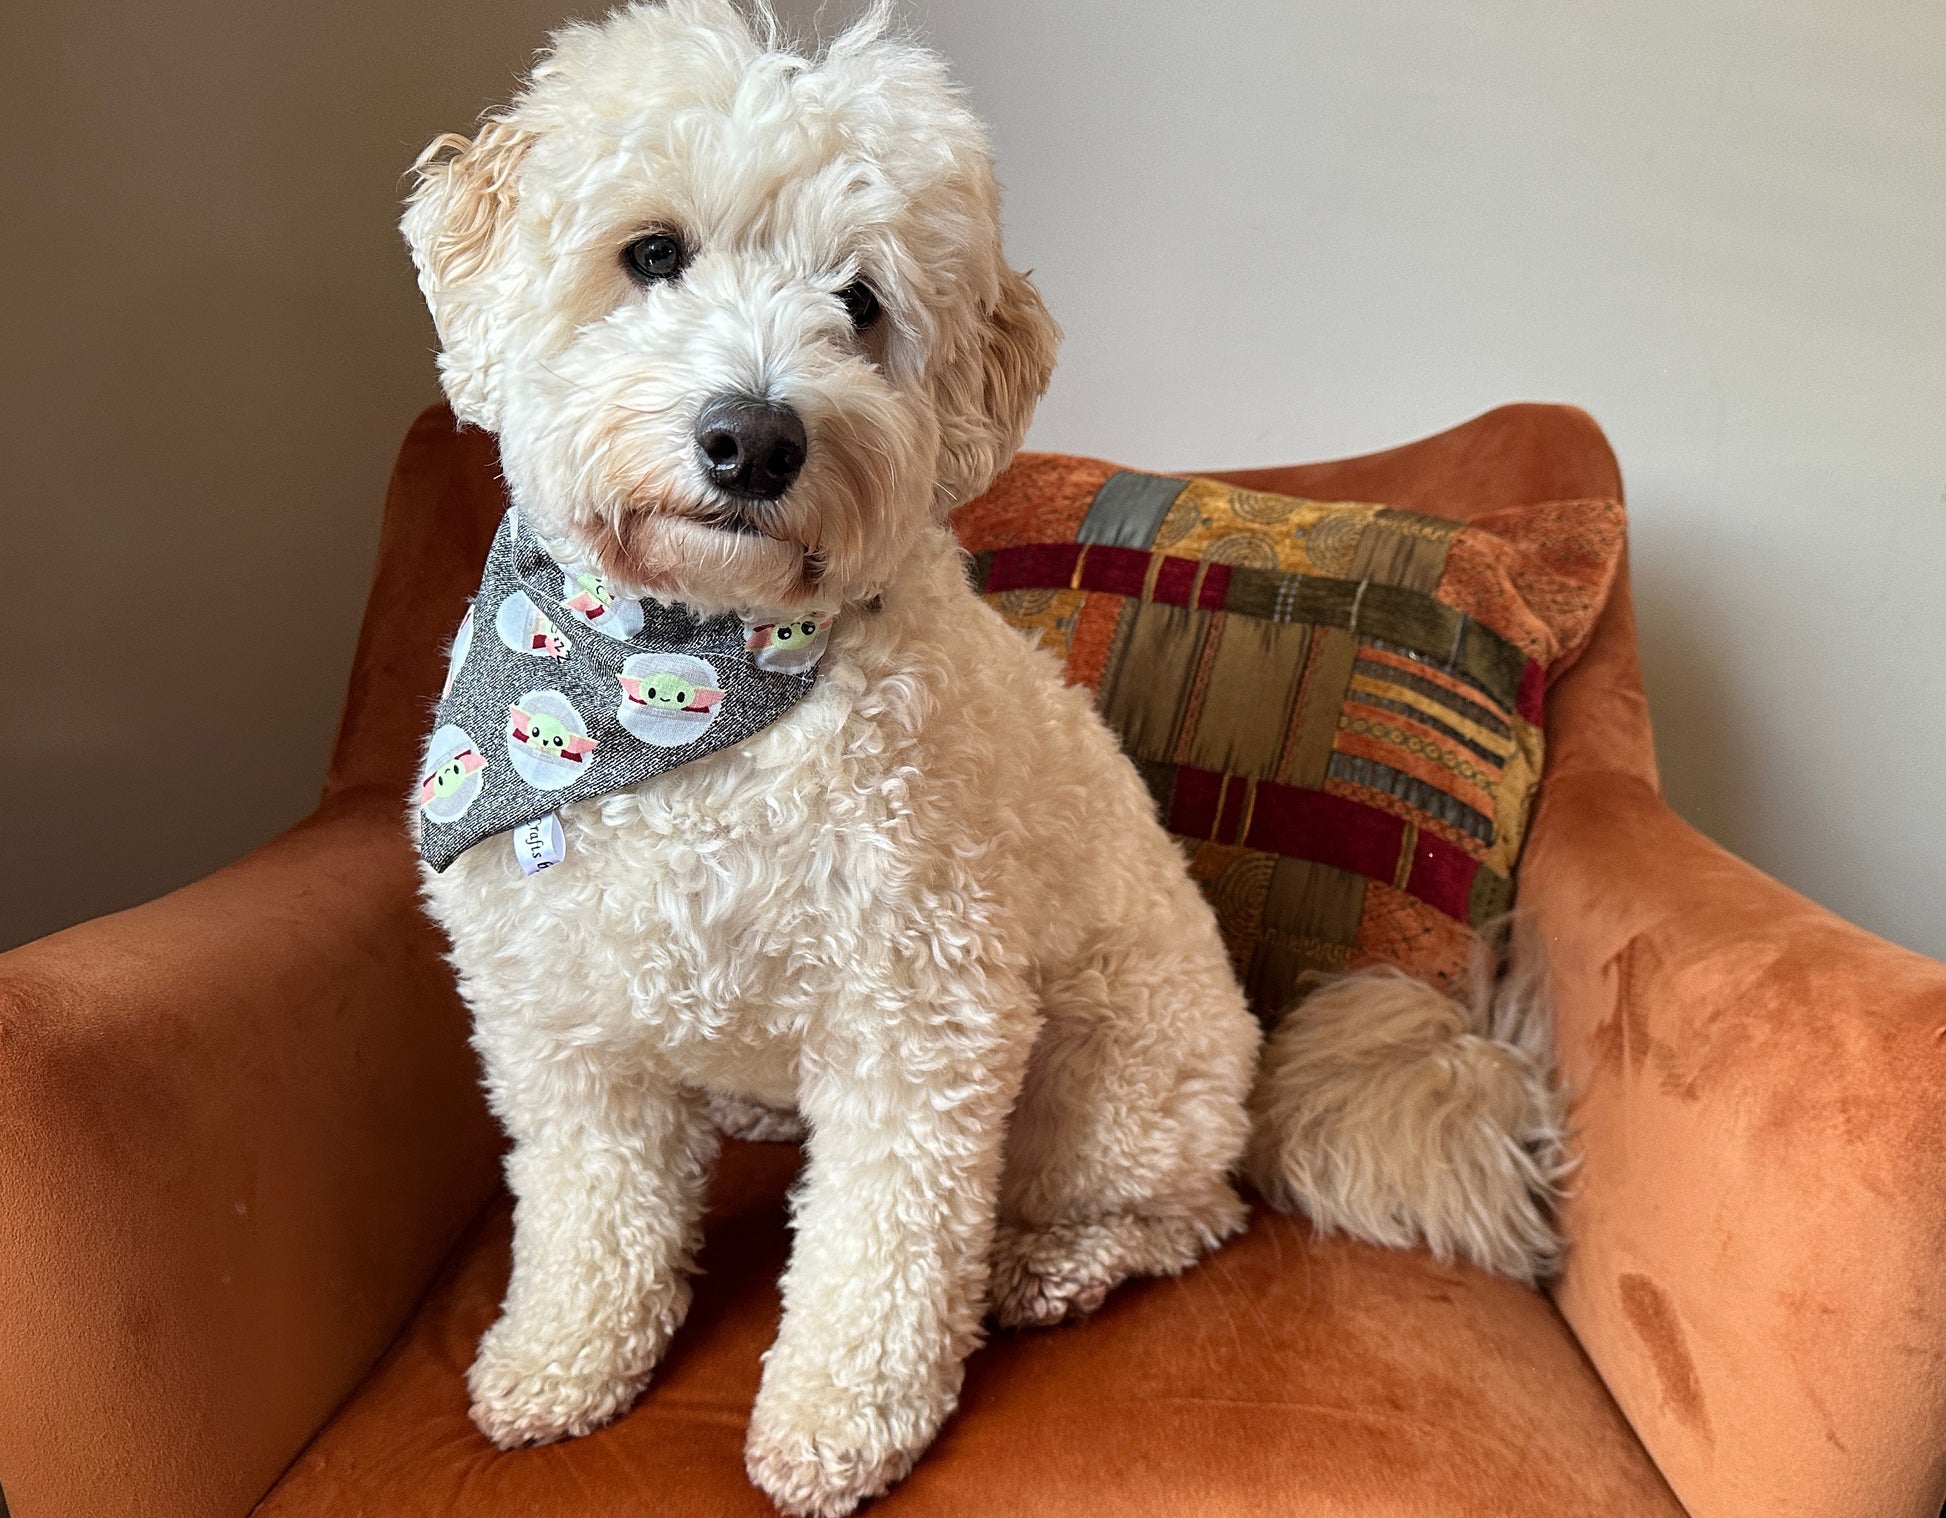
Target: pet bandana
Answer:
[[559, 690]]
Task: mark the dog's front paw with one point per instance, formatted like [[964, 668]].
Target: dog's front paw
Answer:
[[523, 1395], [1045, 1276], [820, 1460]]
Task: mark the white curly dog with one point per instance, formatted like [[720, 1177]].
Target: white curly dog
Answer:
[[931, 908]]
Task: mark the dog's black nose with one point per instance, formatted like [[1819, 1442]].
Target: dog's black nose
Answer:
[[750, 448]]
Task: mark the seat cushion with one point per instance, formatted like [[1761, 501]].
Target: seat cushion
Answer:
[[1287, 1374], [1336, 704]]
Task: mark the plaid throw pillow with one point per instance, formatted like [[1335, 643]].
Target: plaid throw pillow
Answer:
[[1337, 706]]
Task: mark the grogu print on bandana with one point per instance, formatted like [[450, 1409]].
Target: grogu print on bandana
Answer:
[[585, 596], [668, 699], [547, 742], [540, 714], [452, 775], [789, 646], [526, 629]]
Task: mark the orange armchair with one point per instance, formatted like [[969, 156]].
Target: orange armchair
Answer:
[[250, 1225]]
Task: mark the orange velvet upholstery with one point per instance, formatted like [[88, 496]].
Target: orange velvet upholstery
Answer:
[[239, 1132], [1759, 1258], [1286, 1375], [239, 1129]]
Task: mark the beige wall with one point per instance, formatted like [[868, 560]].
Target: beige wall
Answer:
[[1272, 230], [1286, 229], [212, 347]]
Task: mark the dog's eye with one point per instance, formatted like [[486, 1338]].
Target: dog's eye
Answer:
[[657, 256], [861, 301]]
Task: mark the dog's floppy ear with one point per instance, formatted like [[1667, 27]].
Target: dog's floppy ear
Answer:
[[455, 222], [987, 402]]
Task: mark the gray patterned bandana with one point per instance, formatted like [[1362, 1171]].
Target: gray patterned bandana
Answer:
[[558, 690]]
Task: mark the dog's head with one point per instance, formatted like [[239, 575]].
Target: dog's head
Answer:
[[740, 318]]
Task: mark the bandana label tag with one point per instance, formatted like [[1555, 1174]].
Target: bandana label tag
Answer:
[[540, 844]]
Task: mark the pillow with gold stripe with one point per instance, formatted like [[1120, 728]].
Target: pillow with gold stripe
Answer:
[[1337, 705]]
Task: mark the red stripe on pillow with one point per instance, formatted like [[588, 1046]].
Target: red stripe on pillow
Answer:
[[1174, 580], [1318, 826], [1328, 829], [1533, 687], [1194, 801], [1032, 566], [1231, 809], [1119, 571], [1442, 875]]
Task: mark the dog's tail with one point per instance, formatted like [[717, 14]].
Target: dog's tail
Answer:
[[1398, 1115]]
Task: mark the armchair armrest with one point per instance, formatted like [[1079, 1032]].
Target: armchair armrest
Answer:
[[1757, 1265], [239, 1128]]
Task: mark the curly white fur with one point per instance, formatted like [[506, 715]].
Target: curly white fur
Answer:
[[930, 909]]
